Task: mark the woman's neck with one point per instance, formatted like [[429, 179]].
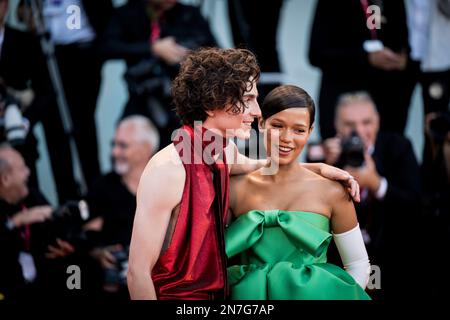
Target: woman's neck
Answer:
[[283, 173]]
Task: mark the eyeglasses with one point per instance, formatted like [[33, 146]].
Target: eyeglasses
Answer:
[[119, 144]]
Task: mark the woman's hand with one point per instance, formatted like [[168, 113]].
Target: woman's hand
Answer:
[[337, 174], [343, 177]]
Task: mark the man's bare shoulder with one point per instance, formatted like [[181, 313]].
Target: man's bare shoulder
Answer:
[[165, 164]]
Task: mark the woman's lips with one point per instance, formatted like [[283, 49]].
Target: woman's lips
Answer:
[[284, 151]]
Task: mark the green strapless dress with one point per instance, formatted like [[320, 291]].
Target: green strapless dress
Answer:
[[284, 256]]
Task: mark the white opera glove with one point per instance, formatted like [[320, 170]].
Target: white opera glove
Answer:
[[353, 254]]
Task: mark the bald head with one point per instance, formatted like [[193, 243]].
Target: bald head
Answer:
[[13, 175], [7, 154]]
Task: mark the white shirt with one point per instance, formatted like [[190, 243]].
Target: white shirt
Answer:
[[437, 58], [418, 14], [60, 21], [382, 189]]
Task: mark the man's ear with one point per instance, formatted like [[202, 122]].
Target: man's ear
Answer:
[[311, 129], [261, 124], [4, 180], [210, 113]]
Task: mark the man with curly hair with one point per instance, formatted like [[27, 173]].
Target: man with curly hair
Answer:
[[177, 246]]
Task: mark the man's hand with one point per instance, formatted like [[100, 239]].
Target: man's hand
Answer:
[[32, 215], [387, 60], [169, 51], [342, 176], [104, 256], [62, 249], [367, 176]]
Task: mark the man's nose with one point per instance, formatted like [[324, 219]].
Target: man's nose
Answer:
[[359, 130], [255, 110]]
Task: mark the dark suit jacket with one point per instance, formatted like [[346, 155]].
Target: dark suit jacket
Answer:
[[99, 13], [393, 222], [127, 36], [339, 30], [395, 160], [11, 244]]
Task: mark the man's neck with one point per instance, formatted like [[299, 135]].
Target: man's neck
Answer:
[[156, 11], [213, 128], [131, 179], [8, 198]]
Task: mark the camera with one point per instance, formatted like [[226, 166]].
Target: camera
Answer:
[[66, 223], [13, 126], [352, 151]]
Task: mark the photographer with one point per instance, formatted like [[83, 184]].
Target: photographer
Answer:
[[25, 83], [113, 201], [386, 169], [154, 36], [360, 56], [22, 213]]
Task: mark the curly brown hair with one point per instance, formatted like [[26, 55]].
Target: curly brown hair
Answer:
[[211, 79]]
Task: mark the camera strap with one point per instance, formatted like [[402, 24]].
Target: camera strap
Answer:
[[155, 31], [26, 235]]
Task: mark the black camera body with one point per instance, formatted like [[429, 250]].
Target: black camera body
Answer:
[[352, 153], [66, 223]]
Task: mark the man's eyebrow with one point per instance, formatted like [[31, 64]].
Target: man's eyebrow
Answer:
[[250, 95]]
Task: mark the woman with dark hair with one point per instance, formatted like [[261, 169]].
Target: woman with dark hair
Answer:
[[177, 248], [285, 220]]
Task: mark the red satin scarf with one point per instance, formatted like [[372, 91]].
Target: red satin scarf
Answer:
[[194, 264]]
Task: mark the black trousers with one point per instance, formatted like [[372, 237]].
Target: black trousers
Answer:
[[257, 30], [80, 68]]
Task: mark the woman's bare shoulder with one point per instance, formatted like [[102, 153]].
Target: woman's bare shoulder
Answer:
[[333, 189]]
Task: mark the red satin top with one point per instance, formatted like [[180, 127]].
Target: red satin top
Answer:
[[194, 265]]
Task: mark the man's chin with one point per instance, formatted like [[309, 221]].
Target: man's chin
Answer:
[[121, 169], [243, 134]]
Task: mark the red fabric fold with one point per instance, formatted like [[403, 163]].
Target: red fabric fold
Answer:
[[194, 264]]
